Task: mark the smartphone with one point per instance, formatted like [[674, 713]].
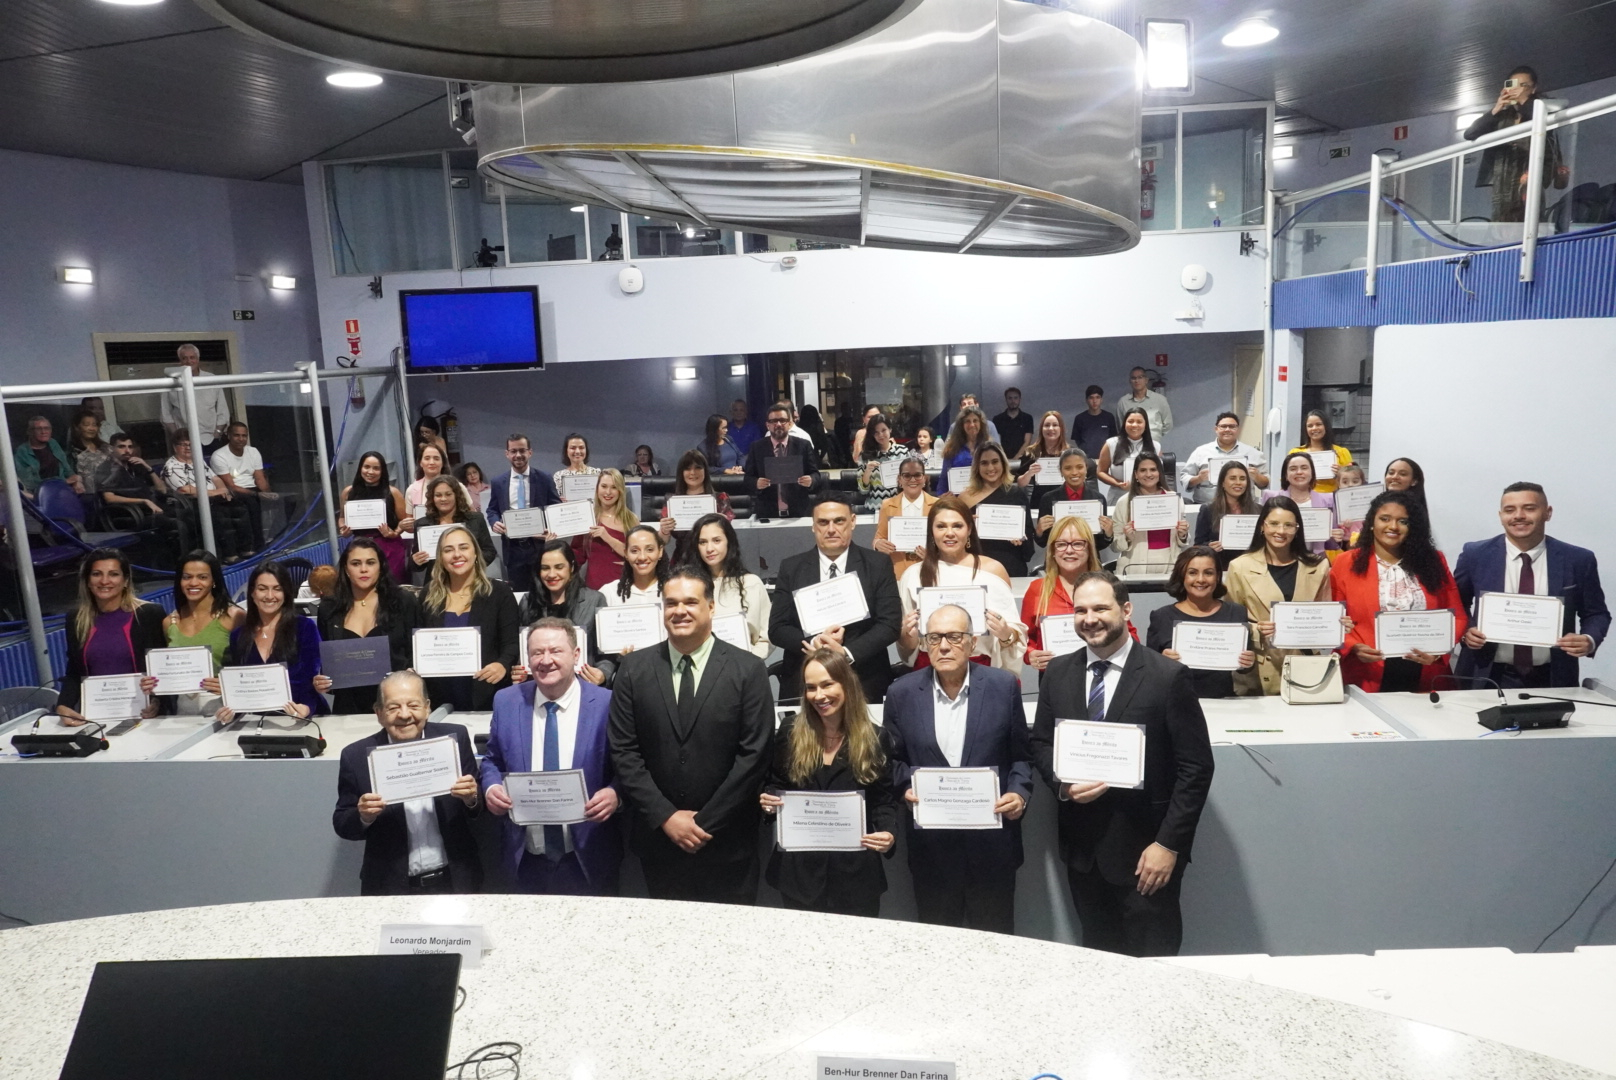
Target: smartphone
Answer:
[[1510, 84]]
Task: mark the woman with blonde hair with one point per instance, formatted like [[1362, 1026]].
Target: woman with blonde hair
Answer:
[[600, 552], [953, 559], [1073, 552], [109, 632], [460, 593], [833, 745]]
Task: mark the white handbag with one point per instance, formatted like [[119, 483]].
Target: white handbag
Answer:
[[1311, 680]]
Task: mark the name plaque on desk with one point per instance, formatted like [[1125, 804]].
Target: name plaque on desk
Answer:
[[827, 1067]]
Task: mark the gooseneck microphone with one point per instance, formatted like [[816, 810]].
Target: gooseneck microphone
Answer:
[[1437, 698], [1575, 701]]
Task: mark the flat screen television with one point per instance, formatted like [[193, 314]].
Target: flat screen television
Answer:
[[485, 329]]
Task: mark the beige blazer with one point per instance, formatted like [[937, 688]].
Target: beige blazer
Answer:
[[891, 508], [1249, 585]]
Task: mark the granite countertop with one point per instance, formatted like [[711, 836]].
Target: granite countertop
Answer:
[[597, 988]]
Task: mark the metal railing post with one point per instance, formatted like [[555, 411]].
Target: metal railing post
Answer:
[[408, 464], [200, 470], [21, 553], [323, 459], [1534, 188], [1372, 242]]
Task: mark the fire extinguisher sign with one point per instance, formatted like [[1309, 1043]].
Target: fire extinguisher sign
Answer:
[[350, 330]]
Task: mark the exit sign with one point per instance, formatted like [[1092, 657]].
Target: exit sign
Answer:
[[241, 315]]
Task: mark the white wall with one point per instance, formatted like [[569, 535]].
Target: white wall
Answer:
[[1468, 404]]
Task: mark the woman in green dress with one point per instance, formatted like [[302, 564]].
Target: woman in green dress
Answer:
[[203, 614]]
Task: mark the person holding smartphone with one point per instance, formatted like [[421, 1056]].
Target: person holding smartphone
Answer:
[[1503, 165]]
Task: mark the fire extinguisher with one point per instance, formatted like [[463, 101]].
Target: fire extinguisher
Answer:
[[1147, 194], [356, 386]]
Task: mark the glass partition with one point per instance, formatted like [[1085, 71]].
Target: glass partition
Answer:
[[1224, 166], [1158, 172], [1426, 197], [388, 215], [479, 229], [1321, 236], [1584, 196], [650, 238], [542, 228]]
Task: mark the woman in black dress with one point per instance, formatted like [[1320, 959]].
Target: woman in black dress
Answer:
[[460, 593], [368, 603], [992, 485], [1197, 584]]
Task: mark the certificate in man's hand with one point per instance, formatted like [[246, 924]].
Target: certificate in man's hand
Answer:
[[1113, 754], [1352, 503], [578, 487], [109, 699], [956, 798], [570, 518], [1149, 512], [785, 470], [418, 769], [1520, 619], [547, 798], [1314, 624], [820, 821], [1236, 530], [906, 533], [447, 651], [1090, 510], [1001, 522], [838, 601], [255, 688], [1048, 474], [1210, 646], [364, 513], [1059, 634], [528, 521], [973, 598], [686, 510], [1398, 633], [629, 626], [1316, 524], [959, 479], [356, 661], [179, 671]]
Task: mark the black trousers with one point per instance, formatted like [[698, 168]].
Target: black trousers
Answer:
[[519, 557], [959, 894], [1117, 919], [868, 907], [733, 881], [231, 531], [254, 508]]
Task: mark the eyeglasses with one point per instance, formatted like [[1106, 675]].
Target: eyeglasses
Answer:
[[1070, 545], [955, 638]]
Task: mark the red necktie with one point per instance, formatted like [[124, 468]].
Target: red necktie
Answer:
[[1523, 653], [780, 489]]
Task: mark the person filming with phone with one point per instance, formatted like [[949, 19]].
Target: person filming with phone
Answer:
[[1504, 165]]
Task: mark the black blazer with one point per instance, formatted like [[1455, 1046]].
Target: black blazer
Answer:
[[145, 632], [802, 876], [1114, 829], [715, 767], [867, 639], [1053, 495], [386, 869], [397, 623], [495, 614], [765, 502], [1013, 555]]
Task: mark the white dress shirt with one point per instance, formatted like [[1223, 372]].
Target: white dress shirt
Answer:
[[915, 507], [427, 852], [567, 743], [1539, 557], [1113, 674], [514, 497], [212, 410], [948, 718], [825, 563]]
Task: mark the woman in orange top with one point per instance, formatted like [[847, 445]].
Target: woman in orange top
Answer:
[[912, 500], [1395, 567]]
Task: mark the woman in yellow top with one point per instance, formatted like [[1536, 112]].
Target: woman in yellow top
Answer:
[[1317, 437]]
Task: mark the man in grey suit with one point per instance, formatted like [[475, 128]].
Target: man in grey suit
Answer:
[[1125, 850], [691, 726]]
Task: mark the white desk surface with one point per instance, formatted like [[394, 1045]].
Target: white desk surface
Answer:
[[340, 731], [1454, 715], [143, 741], [624, 987], [1559, 1004]]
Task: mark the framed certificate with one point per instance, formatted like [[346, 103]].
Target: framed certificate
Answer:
[[1235, 531], [418, 769], [1316, 524], [1149, 512], [906, 533], [1311, 625], [180, 671], [1048, 474], [1398, 633], [1520, 618], [427, 537], [1352, 503], [1210, 646], [889, 472], [1001, 522], [364, 513], [631, 626], [255, 688], [1324, 463], [1059, 634], [783, 471], [570, 518], [956, 798], [733, 629], [836, 602], [959, 479], [109, 699], [686, 510], [447, 651], [578, 487], [528, 521], [1090, 510], [973, 598], [356, 661], [547, 798], [820, 821], [1086, 751]]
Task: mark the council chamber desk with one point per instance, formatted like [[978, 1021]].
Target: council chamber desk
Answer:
[[1382, 822]]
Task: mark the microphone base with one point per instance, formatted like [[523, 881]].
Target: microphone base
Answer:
[[1528, 716], [280, 746], [77, 744]]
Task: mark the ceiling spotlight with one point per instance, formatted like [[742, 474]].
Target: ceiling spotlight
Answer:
[[684, 374], [690, 232], [1006, 359], [354, 80], [1250, 32], [282, 281], [958, 359], [76, 275], [1167, 54], [580, 209], [1285, 152]]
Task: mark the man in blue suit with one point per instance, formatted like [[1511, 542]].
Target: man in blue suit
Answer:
[[554, 721], [1525, 559], [519, 489], [959, 715]]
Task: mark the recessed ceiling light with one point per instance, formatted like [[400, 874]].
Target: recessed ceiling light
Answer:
[[132, 3], [580, 209], [1167, 54], [76, 275], [354, 80], [684, 374], [282, 281], [1285, 152], [737, 369], [958, 359], [1006, 359], [1251, 32]]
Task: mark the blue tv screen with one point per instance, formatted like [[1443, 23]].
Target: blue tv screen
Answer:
[[491, 329]]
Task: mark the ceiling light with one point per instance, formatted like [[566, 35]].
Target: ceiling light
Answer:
[[690, 232], [683, 374], [76, 275], [281, 281], [1250, 32], [580, 209], [958, 359], [1167, 54], [1006, 359], [132, 3], [737, 369], [354, 80], [1285, 152], [1465, 120]]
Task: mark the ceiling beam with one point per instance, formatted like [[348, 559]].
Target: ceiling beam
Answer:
[[657, 182], [992, 218]]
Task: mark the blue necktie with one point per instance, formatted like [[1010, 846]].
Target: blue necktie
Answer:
[[1097, 691], [555, 844], [521, 491]]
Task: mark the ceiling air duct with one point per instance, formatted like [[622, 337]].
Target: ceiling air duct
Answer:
[[993, 127]]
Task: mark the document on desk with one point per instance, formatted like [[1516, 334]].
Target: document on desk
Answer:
[[956, 798], [356, 661], [973, 598], [906, 533], [547, 798], [959, 479], [528, 521], [110, 699], [820, 821], [631, 626], [1398, 633], [1235, 531], [427, 537], [838, 601], [1210, 646], [686, 510], [1151, 512], [364, 513], [783, 470], [1001, 522], [1316, 524], [733, 629], [1086, 752], [1048, 474], [255, 688], [570, 518], [418, 769], [1352, 503], [578, 487], [1090, 510], [1520, 619], [1059, 634], [1314, 624], [179, 671], [447, 652]]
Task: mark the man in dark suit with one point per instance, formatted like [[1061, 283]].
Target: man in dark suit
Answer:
[[1525, 559], [550, 722], [959, 715], [691, 728], [422, 845], [518, 489], [782, 500], [1125, 850], [865, 641]]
